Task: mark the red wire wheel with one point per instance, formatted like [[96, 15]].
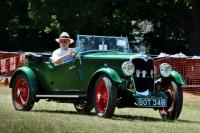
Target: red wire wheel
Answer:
[[175, 101], [23, 93], [105, 97], [102, 96]]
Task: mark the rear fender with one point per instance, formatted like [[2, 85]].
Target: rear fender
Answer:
[[29, 74]]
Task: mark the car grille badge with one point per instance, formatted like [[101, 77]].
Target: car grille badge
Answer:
[[144, 73], [138, 73]]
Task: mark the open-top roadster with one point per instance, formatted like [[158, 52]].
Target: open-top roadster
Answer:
[[104, 75]]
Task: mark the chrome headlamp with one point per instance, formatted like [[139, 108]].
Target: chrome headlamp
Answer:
[[128, 68], [165, 69]]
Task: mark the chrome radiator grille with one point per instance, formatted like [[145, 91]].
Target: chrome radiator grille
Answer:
[[143, 75]]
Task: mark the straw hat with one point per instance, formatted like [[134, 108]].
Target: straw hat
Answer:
[[64, 35]]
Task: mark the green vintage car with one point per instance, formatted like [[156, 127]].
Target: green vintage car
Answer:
[[104, 75]]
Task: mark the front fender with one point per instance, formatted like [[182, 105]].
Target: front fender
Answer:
[[29, 74], [111, 73], [178, 78]]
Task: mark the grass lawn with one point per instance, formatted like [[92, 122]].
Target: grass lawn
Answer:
[[52, 117]]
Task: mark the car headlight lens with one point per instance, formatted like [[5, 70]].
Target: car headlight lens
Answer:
[[165, 69], [128, 68]]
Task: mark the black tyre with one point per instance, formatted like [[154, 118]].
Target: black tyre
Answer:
[[175, 101], [23, 93], [82, 107], [104, 97]]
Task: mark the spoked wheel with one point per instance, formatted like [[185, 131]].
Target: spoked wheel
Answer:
[[82, 107], [104, 97], [23, 93], [175, 101]]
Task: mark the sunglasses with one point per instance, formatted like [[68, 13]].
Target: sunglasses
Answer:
[[63, 40]]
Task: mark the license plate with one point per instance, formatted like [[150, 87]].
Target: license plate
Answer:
[[151, 102]]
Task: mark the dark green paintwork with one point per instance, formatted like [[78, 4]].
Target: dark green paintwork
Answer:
[[112, 74], [179, 79], [109, 55], [76, 75], [75, 81], [101, 62], [29, 74]]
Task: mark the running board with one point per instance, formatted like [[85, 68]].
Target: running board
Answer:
[[60, 96]]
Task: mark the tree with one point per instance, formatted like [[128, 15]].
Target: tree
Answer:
[[81, 16], [195, 35], [171, 19], [174, 20], [5, 16], [175, 23]]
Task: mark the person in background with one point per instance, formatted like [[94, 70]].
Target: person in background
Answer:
[[64, 53]]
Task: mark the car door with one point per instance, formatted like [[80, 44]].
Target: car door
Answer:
[[65, 77]]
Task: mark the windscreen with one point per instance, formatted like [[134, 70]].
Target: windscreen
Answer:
[[105, 43]]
